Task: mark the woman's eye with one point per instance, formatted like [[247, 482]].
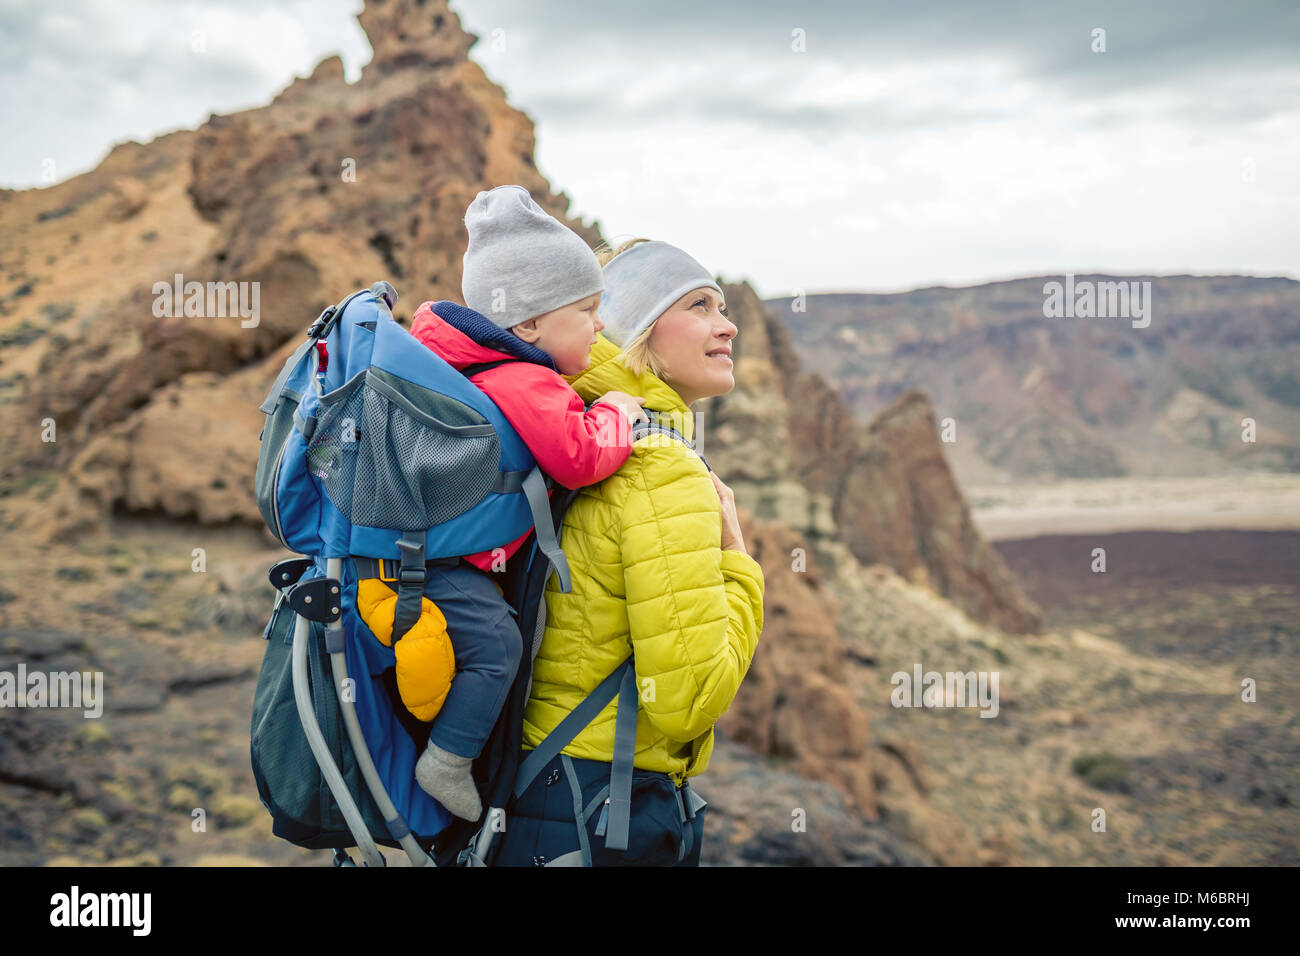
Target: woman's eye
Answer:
[[724, 313], [699, 303]]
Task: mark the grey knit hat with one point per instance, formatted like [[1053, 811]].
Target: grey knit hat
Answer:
[[642, 282], [521, 261]]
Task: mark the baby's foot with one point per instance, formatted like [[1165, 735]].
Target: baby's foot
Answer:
[[448, 779]]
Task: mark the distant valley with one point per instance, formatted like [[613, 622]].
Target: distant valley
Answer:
[[1038, 397]]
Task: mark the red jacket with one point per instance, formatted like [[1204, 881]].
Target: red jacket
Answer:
[[548, 414]]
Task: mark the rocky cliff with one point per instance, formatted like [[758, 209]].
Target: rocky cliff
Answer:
[[115, 415], [880, 493], [1161, 393], [327, 188]]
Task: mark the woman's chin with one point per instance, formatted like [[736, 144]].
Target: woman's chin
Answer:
[[717, 382]]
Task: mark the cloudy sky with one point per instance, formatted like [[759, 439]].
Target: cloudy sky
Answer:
[[821, 146]]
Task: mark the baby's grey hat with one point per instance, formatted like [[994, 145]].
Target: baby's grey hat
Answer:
[[521, 261]]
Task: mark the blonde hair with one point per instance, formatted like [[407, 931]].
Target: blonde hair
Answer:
[[638, 356]]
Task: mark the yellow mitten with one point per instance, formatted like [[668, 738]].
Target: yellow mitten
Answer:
[[426, 663]]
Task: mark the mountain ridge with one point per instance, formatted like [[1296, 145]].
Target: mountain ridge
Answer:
[[1038, 397]]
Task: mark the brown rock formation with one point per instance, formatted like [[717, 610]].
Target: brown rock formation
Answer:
[[794, 453], [794, 702], [904, 509], [329, 187]]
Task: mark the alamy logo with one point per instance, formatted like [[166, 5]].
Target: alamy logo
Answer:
[[55, 689], [1086, 299], [946, 689], [216, 300], [656, 431], [75, 908]]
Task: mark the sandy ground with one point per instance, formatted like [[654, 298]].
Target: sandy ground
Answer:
[[1251, 501]]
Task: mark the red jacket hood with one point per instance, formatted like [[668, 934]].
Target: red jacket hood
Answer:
[[453, 345], [575, 445]]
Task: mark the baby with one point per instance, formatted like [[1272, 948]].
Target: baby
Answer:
[[532, 287]]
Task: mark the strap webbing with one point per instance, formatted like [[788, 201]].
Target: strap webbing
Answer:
[[694, 802], [410, 587], [304, 423], [535, 489], [568, 728], [327, 326], [688, 829], [471, 370], [620, 774], [642, 428], [369, 567], [508, 482], [595, 801], [273, 396], [581, 821]]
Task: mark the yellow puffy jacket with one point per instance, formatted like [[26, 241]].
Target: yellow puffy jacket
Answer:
[[649, 578]]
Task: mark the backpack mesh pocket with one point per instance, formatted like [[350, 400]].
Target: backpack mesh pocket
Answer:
[[394, 455]]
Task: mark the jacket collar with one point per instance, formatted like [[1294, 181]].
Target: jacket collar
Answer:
[[482, 330], [607, 372]]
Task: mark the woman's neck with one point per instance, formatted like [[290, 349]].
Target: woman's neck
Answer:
[[687, 399]]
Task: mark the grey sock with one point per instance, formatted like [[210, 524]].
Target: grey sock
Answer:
[[447, 778]]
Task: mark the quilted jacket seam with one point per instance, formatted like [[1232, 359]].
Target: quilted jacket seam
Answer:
[[672, 592]]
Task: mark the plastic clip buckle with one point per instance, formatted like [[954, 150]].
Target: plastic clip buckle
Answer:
[[321, 320], [412, 575]]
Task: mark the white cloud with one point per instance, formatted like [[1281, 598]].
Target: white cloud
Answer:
[[77, 81], [889, 155]]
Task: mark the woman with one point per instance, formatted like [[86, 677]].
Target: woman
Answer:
[[660, 575]]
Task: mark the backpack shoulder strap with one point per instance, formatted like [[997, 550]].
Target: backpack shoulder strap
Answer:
[[568, 728], [474, 369], [620, 683], [642, 428]]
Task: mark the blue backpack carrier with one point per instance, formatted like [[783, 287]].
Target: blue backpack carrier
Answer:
[[379, 459]]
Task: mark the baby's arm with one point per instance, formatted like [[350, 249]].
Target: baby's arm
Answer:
[[574, 445]]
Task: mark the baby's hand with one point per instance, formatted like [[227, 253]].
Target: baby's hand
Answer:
[[630, 405]]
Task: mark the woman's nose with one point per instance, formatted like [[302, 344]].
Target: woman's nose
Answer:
[[599, 324]]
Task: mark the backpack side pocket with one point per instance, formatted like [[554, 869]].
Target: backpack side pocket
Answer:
[[392, 454]]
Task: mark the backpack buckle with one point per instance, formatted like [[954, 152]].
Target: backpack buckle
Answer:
[[321, 320], [402, 574], [411, 570], [412, 575]]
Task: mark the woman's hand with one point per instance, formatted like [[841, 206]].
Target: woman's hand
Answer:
[[731, 537]]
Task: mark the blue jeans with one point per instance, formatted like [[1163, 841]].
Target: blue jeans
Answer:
[[487, 645]]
